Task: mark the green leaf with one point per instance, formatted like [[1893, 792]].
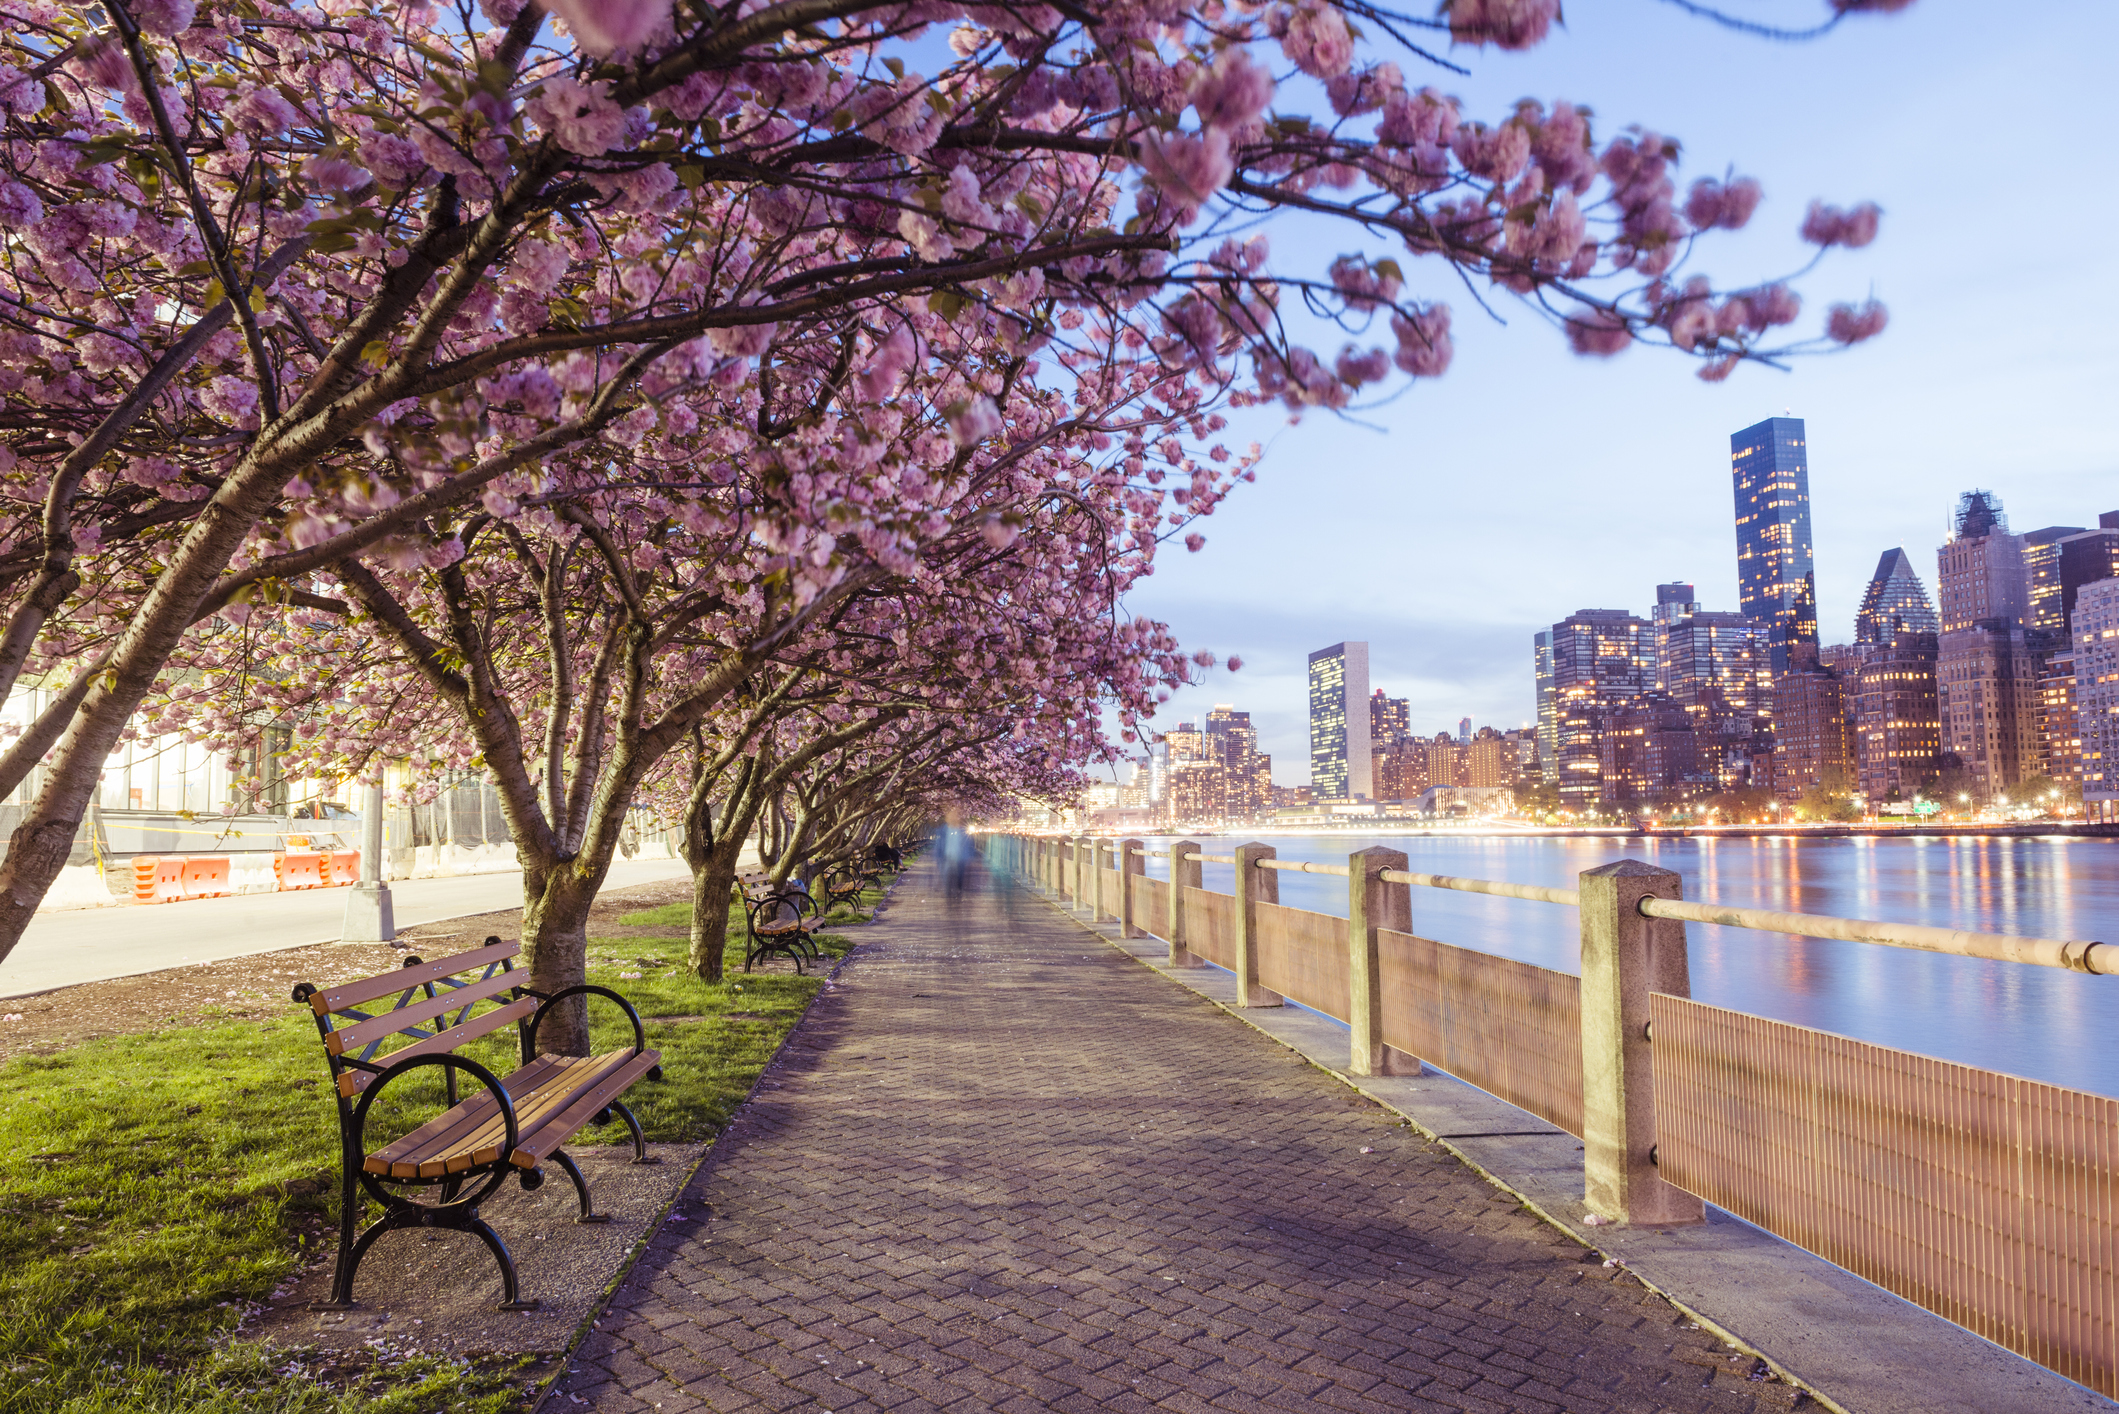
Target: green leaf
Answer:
[[896, 67], [947, 304], [1389, 269]]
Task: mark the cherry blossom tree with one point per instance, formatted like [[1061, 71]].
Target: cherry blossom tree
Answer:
[[345, 289]]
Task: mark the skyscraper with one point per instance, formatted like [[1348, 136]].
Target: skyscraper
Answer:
[[1894, 600], [2087, 558], [1390, 721], [2096, 623], [1897, 721], [1340, 764], [1232, 741], [1548, 708], [1981, 568], [2044, 597], [1673, 604], [1601, 660], [1986, 670], [1776, 577]]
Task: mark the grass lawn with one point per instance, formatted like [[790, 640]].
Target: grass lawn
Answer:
[[151, 1186]]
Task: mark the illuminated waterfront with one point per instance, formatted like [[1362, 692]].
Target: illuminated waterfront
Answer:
[[2032, 1021]]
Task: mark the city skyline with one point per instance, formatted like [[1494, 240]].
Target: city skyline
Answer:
[[1691, 702], [1485, 512]]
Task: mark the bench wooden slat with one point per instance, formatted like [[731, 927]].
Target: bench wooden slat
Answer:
[[446, 1132], [367, 989], [555, 1093], [474, 1132], [557, 1130], [346, 1038], [352, 1082]]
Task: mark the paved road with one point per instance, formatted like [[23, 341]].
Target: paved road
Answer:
[[1004, 1167], [93, 944]]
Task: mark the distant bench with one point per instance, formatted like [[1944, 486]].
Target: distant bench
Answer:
[[512, 1125]]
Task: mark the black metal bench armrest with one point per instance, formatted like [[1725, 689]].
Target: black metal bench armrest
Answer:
[[545, 1004]]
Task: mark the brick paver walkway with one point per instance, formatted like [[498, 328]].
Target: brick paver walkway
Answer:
[[1005, 1167]]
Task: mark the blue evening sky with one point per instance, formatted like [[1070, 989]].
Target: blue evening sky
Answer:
[[1529, 483]]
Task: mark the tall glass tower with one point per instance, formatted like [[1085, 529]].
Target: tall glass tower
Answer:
[[1776, 580], [1341, 767]]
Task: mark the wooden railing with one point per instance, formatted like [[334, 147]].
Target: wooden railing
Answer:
[[1990, 1200]]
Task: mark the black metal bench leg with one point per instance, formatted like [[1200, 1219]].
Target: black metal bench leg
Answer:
[[349, 1210], [350, 1261], [581, 1187], [639, 1138], [511, 1290]]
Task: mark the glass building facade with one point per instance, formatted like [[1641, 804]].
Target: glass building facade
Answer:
[[1894, 600], [1776, 576], [1548, 708], [1340, 761]]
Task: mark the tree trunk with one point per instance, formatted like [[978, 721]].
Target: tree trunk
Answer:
[[555, 943], [713, 882]]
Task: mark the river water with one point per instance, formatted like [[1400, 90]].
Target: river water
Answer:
[[2039, 1022]]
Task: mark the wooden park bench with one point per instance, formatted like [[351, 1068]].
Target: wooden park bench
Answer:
[[846, 884], [511, 1125], [782, 922]]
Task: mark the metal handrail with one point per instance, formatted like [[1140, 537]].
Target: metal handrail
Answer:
[[2075, 956], [1298, 867], [1534, 892]]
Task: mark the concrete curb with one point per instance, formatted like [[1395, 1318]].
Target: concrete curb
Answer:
[[1852, 1346]]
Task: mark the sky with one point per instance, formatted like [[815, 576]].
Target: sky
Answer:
[[1449, 525]]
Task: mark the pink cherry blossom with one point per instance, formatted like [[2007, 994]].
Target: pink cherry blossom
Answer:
[[974, 422], [1597, 333], [601, 26], [1710, 205], [265, 112], [1829, 225], [334, 174], [1233, 93], [104, 63], [1850, 324], [1507, 24], [166, 18], [20, 207], [579, 116], [1317, 40], [1190, 169], [1424, 347]]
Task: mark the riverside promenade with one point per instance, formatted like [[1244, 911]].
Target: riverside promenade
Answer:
[[1003, 1166]]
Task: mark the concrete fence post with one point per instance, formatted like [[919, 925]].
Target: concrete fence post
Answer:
[[1099, 867], [1184, 874], [1373, 905], [1253, 887], [1626, 956], [1131, 866]]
